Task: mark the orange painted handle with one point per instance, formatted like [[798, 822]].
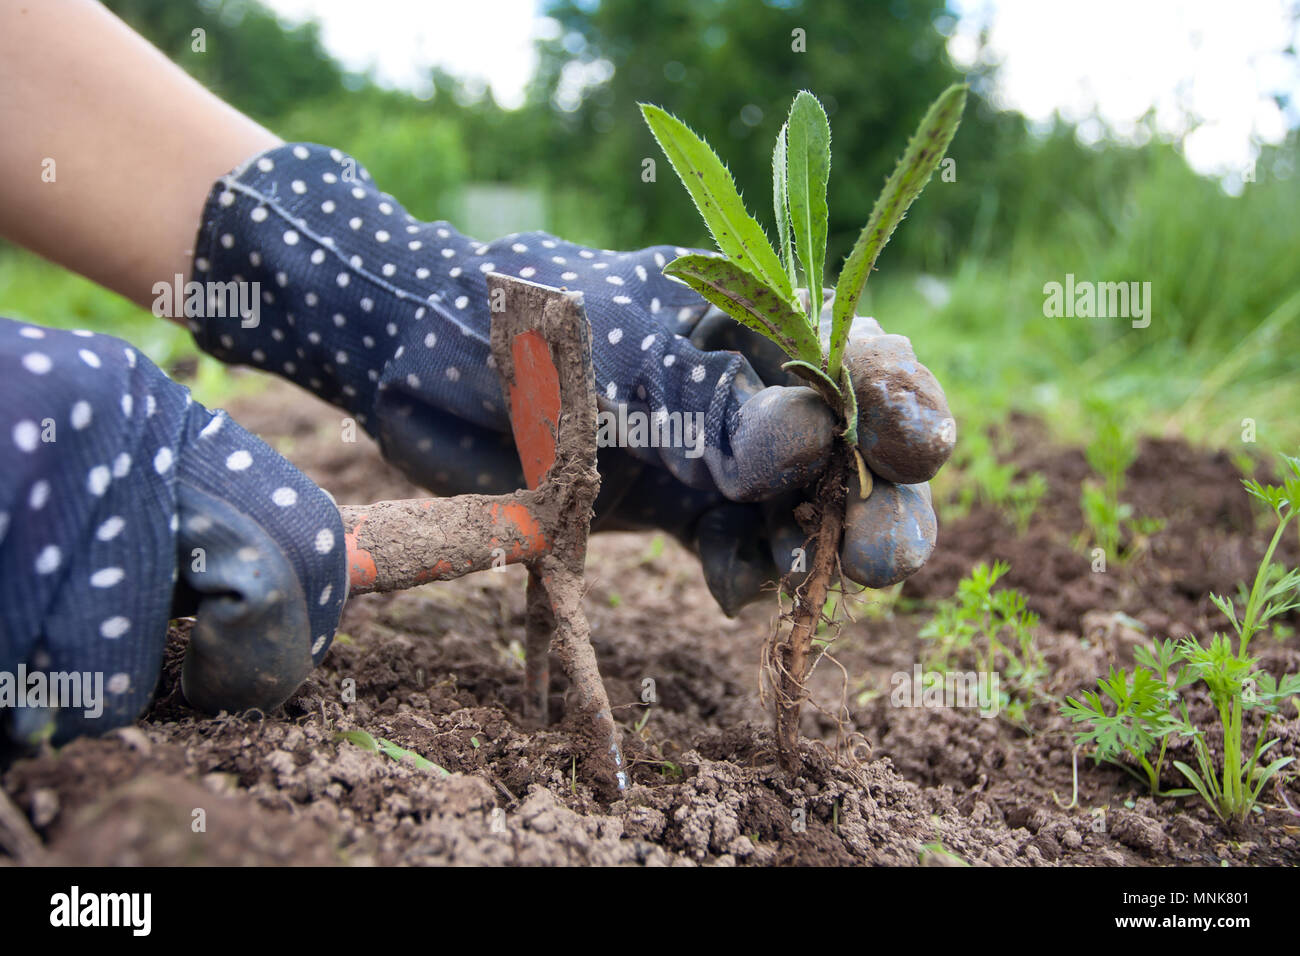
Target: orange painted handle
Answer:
[[534, 396], [401, 544]]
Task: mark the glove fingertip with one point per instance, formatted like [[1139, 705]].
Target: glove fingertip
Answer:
[[736, 569], [889, 536], [782, 441]]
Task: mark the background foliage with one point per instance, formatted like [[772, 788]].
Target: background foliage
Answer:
[[964, 278]]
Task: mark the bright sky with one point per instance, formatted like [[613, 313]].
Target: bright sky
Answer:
[[1208, 68], [398, 40]]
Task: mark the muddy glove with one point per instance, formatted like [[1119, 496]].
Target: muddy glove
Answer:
[[123, 503], [388, 317], [905, 435]]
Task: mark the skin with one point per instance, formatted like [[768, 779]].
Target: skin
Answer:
[[137, 145]]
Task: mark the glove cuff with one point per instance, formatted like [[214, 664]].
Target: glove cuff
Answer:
[[308, 271]]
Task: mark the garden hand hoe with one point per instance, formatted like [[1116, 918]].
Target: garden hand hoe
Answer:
[[542, 349]]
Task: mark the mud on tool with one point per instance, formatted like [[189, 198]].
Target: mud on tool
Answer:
[[541, 343]]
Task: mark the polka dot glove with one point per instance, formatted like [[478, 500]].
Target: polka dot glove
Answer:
[[123, 503], [388, 317]]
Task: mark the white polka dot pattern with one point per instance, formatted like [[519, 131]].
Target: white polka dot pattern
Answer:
[[370, 319], [102, 450]]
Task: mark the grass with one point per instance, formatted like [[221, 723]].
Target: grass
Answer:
[[1225, 315]]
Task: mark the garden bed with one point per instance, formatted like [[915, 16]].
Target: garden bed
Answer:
[[438, 671]]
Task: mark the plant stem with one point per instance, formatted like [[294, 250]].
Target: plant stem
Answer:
[[792, 655], [1248, 621], [1149, 770], [1155, 781]]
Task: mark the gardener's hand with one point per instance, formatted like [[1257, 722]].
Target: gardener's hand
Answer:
[[905, 435], [388, 317], [123, 504]]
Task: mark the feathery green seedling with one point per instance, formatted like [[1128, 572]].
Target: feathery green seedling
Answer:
[[1110, 453], [1112, 450], [1235, 687], [1023, 497], [1148, 705], [994, 627], [1275, 582], [1275, 590], [754, 283], [1144, 704]]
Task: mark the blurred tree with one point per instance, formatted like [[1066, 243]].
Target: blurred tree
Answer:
[[730, 69], [248, 57], [413, 149]]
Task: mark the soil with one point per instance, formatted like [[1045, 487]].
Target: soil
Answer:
[[438, 670]]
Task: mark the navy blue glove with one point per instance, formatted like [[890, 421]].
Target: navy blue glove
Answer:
[[123, 503], [388, 317]]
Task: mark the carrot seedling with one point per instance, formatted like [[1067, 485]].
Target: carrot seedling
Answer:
[[1111, 452], [1144, 712], [1145, 707], [996, 629]]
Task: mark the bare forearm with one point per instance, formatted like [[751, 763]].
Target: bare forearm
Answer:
[[135, 145]]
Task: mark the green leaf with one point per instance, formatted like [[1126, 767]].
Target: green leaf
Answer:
[[1266, 774], [394, 752], [748, 300], [817, 379], [360, 738], [922, 157], [389, 749], [840, 397], [737, 234], [1195, 779], [809, 172], [781, 202], [1225, 606]]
